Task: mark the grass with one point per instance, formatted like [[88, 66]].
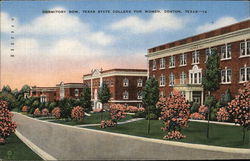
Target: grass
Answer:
[[15, 149], [220, 135], [95, 118]]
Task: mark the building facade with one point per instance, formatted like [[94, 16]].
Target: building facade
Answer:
[[68, 90], [125, 85], [180, 64], [46, 94]]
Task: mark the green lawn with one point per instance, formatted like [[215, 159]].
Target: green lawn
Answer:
[[95, 118], [220, 135], [15, 149]]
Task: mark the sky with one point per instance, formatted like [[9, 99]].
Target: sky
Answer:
[[54, 47]]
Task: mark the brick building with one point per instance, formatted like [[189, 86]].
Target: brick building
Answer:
[[180, 64], [68, 90], [125, 85], [46, 94]]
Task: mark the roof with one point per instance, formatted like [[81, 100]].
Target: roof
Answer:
[[120, 69], [220, 31]]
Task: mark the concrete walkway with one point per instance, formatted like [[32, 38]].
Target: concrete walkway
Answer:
[[65, 142], [119, 123]]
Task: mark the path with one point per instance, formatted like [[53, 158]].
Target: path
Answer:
[[74, 143]]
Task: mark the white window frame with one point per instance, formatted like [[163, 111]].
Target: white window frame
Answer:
[[139, 83], [76, 91], [125, 95], [162, 80], [172, 61], [226, 76], [171, 79], [244, 74], [125, 82], [162, 63], [195, 75], [183, 59], [196, 57], [154, 65], [139, 95], [183, 78], [226, 52], [245, 48]]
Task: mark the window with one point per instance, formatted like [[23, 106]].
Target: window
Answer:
[[171, 79], [76, 92], [139, 95], [245, 48], [196, 57], [172, 61], [139, 83], [111, 82], [245, 74], [226, 75], [154, 64], [208, 53], [183, 93], [183, 78], [195, 75], [139, 105], [226, 52], [125, 82], [161, 94], [183, 59], [125, 95], [162, 63], [162, 80]]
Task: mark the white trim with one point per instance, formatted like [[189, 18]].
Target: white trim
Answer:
[[202, 44], [117, 73], [44, 155], [117, 101]]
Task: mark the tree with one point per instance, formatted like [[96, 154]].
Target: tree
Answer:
[[211, 78], [25, 89], [86, 98], [175, 114], [6, 89], [104, 95], [10, 99], [77, 113], [238, 109], [150, 96], [7, 126]]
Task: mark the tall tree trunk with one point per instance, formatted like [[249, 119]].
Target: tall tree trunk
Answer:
[[148, 120], [244, 133], [208, 117]]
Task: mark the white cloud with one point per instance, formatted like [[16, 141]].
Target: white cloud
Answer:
[[158, 21], [52, 25], [223, 21]]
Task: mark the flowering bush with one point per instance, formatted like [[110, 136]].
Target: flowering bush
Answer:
[[56, 112], [25, 109], [175, 114], [141, 109], [222, 114], [117, 112], [77, 113], [45, 112], [197, 116], [107, 123], [238, 109], [201, 115], [7, 126], [37, 112], [132, 109], [174, 135]]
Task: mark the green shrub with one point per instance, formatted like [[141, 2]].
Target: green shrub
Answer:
[[194, 107]]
